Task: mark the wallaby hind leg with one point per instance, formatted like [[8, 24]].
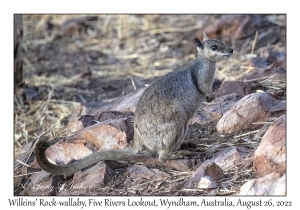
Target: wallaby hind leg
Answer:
[[168, 149], [178, 144]]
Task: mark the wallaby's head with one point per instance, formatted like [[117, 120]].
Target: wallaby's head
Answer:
[[211, 49]]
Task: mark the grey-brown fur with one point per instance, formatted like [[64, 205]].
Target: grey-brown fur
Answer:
[[162, 113]]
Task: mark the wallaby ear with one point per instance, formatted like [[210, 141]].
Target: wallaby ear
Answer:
[[198, 43], [204, 36]]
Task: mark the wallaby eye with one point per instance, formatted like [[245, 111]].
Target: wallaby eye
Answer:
[[214, 47]]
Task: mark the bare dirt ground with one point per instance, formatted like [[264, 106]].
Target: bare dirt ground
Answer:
[[75, 61]]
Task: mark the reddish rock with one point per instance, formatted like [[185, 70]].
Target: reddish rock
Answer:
[[258, 136], [209, 169], [228, 158], [178, 185], [97, 175], [140, 175], [272, 184], [229, 87], [262, 69], [211, 150], [270, 156], [256, 107], [277, 93], [113, 164], [178, 164], [110, 134], [124, 105], [213, 111], [89, 179], [63, 153], [140, 171], [40, 185], [74, 125]]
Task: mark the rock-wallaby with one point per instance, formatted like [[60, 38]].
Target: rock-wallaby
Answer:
[[162, 113]]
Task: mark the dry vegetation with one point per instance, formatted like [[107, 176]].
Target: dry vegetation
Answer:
[[71, 60]]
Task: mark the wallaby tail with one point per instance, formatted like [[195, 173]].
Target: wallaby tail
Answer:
[[71, 168]]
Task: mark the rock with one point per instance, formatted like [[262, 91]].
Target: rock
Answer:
[[257, 62], [214, 111], [178, 164], [256, 107], [213, 148], [206, 182], [181, 164], [109, 134], [208, 169], [63, 153], [176, 185], [40, 185], [271, 184], [125, 105], [175, 164], [258, 136], [277, 93], [222, 104], [270, 156], [95, 176], [139, 174], [89, 179], [263, 70], [229, 87], [281, 186], [230, 156], [114, 164], [140, 171]]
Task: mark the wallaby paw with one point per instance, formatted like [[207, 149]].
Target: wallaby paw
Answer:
[[210, 98]]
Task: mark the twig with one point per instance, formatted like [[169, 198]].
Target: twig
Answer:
[[132, 82], [27, 174], [258, 123], [251, 80], [23, 163], [245, 134], [198, 190], [269, 78], [254, 42]]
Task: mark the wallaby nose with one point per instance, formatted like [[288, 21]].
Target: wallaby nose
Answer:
[[230, 50]]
